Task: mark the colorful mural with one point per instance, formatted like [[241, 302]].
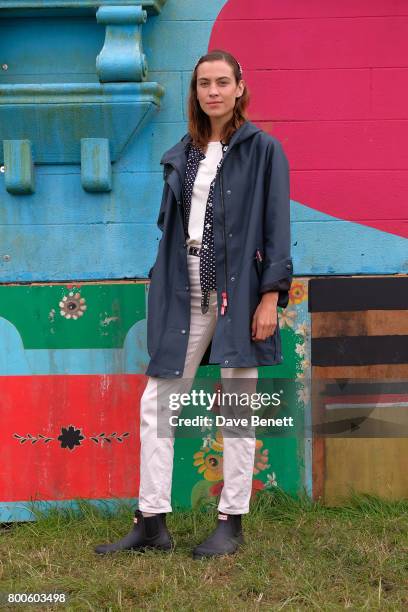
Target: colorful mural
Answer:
[[77, 238]]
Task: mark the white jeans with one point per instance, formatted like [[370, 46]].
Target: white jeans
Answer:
[[157, 453]]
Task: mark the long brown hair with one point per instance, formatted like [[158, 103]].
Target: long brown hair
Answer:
[[199, 125]]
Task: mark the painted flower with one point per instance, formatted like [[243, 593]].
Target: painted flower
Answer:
[[297, 293], [216, 488], [257, 485], [271, 481], [303, 395], [261, 458], [70, 437], [72, 306], [209, 465], [300, 349], [207, 441], [302, 329], [287, 318]]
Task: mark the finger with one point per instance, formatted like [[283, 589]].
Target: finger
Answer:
[[254, 326]]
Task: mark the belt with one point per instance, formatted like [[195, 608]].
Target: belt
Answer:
[[192, 250]]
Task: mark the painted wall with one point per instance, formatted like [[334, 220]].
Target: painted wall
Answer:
[[327, 80]]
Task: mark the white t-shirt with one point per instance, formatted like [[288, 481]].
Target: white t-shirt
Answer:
[[206, 172]]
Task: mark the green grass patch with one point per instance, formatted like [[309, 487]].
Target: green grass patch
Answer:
[[298, 555]]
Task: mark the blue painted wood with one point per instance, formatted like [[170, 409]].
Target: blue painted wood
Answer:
[[152, 6], [326, 245], [26, 510], [122, 57], [79, 252], [192, 41], [15, 360], [18, 167], [49, 48], [134, 199], [127, 250], [96, 171], [55, 118], [127, 215]]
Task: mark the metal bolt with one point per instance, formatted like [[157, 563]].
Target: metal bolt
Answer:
[[6, 257], [4, 66], [2, 169]]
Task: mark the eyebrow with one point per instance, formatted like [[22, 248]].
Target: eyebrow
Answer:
[[218, 78]]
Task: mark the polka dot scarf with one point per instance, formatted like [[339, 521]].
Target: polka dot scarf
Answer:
[[207, 255]]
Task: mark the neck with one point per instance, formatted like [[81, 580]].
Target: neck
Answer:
[[217, 125]]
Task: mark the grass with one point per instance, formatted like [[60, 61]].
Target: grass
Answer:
[[299, 555]]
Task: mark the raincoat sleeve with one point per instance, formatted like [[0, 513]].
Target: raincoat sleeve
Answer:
[[277, 266], [160, 218]]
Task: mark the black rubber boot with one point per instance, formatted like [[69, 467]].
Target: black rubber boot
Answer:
[[224, 540], [147, 532]]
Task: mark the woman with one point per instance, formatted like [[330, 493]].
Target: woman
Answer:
[[223, 267]]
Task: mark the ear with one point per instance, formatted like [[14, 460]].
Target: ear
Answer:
[[241, 87]]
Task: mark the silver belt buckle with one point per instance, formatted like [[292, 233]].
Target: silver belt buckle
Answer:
[[194, 251]]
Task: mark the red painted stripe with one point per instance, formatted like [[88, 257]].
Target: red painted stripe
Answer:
[[364, 399], [317, 43], [295, 9], [43, 405], [301, 95]]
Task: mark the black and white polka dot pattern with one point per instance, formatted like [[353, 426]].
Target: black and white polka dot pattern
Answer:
[[208, 280]]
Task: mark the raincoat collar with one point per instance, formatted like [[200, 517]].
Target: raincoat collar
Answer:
[[178, 152]]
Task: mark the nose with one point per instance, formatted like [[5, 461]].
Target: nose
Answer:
[[213, 89]]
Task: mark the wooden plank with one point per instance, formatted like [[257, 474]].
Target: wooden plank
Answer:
[[359, 350], [370, 465], [360, 323], [358, 293], [385, 371]]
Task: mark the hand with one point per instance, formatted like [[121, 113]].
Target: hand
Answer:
[[265, 317]]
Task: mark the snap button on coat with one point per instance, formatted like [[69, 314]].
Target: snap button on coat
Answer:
[[256, 165]]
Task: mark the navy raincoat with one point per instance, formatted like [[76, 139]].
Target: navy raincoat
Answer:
[[251, 213]]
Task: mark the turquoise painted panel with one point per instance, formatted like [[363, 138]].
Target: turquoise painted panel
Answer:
[[48, 253], [186, 10], [25, 510], [18, 165], [56, 117], [96, 170], [145, 152], [171, 105], [77, 252], [17, 361], [159, 42], [333, 246], [50, 38], [135, 198]]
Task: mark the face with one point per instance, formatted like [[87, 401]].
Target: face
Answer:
[[217, 89]]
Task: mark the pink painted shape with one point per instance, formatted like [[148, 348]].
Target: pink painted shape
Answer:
[[331, 83]]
